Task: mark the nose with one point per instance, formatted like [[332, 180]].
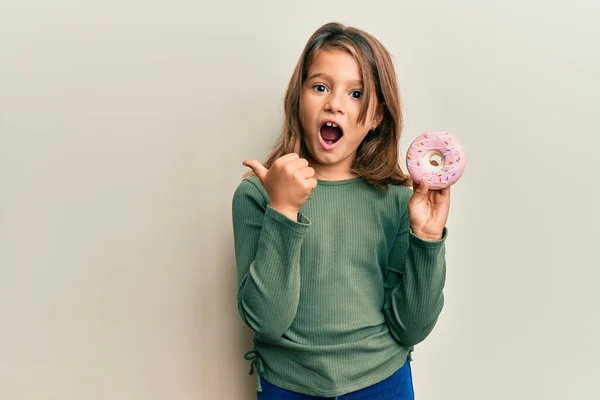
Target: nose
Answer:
[[335, 103]]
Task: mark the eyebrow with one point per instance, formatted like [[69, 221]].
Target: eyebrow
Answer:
[[326, 76]]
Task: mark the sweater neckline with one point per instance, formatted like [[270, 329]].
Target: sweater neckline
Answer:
[[338, 182]]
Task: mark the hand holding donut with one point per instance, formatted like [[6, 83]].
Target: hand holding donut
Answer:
[[435, 161], [288, 182], [428, 211]]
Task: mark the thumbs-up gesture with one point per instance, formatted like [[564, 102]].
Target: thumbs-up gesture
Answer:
[[288, 182]]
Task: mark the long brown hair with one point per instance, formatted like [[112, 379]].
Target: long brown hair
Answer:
[[377, 157]]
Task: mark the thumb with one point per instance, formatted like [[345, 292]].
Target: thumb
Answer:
[[257, 167]]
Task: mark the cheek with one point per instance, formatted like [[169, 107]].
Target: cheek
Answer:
[[302, 113], [356, 137], [360, 129], [361, 137], [303, 119], [303, 106], [369, 118], [306, 114], [358, 125]]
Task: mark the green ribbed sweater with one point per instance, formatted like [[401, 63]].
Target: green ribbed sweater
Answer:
[[338, 298]]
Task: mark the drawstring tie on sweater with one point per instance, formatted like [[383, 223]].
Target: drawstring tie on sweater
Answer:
[[255, 365]]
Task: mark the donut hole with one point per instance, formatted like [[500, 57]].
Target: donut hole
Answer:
[[435, 160]]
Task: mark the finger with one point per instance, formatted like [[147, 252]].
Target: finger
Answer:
[[421, 189], [306, 172], [296, 164], [283, 160], [311, 183], [257, 167], [445, 192]]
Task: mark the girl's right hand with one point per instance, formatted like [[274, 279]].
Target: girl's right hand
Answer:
[[288, 182]]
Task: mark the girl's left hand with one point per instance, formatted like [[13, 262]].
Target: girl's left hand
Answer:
[[428, 211]]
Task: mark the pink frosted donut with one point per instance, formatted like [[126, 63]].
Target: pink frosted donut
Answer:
[[436, 157]]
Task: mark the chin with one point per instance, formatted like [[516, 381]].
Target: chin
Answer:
[[323, 157]]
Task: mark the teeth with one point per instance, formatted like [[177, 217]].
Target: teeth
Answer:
[[331, 124]]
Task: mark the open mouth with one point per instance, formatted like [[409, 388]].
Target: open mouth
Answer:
[[330, 133]]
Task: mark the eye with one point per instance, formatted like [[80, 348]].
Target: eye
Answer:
[[320, 88], [357, 94]]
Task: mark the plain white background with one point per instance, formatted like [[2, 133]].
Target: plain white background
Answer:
[[122, 130]]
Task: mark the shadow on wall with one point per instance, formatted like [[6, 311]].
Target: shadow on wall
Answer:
[[236, 380], [256, 131]]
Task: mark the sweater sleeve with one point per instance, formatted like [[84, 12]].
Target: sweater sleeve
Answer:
[[267, 251], [414, 285]]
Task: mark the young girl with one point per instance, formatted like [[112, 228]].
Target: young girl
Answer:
[[341, 264]]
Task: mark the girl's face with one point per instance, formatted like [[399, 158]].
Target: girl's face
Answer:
[[330, 101]]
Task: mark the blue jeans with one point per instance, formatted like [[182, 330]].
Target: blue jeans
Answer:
[[399, 386]]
